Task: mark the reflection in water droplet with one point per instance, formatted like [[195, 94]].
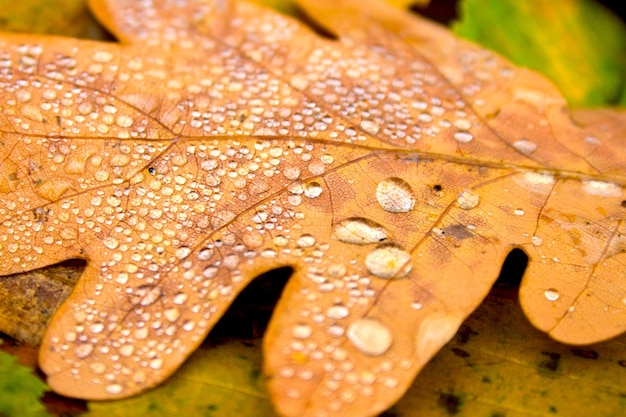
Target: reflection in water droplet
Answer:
[[388, 261], [370, 336], [313, 189], [552, 294], [359, 231], [467, 200], [395, 195]]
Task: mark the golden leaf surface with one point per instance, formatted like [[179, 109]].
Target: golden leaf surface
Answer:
[[393, 168]]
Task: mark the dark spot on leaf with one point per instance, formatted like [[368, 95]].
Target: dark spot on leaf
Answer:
[[458, 231], [152, 170], [512, 270], [498, 414], [624, 203], [450, 402], [486, 380], [585, 353], [622, 363], [437, 188], [553, 409], [460, 353], [552, 363]]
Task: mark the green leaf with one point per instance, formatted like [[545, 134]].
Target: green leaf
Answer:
[[577, 43], [224, 380], [20, 390]]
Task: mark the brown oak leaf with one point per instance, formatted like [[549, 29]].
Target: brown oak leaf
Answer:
[[393, 168]]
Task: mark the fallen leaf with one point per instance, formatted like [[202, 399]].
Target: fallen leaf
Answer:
[[392, 171]]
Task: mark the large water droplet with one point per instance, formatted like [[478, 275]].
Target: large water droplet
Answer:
[[467, 200], [525, 146], [370, 336], [359, 231], [388, 261], [395, 195], [552, 294]]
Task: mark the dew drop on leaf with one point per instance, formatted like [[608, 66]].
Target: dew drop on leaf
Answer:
[[388, 261], [525, 146], [359, 231], [313, 189], [467, 200], [552, 294], [395, 195], [370, 336]]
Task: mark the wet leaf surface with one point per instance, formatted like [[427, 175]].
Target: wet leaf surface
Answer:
[[393, 169]]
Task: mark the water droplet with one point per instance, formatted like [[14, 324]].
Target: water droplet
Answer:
[[525, 146], [145, 295], [370, 336], [416, 305], [537, 178], [156, 363], [114, 389], [83, 350], [96, 327], [467, 200], [306, 241], [301, 331], [172, 314], [337, 312], [395, 195], [182, 252], [180, 298], [552, 294], [370, 127], [388, 261], [603, 189], [463, 137], [536, 241], [209, 272], [518, 212], [313, 189], [359, 231]]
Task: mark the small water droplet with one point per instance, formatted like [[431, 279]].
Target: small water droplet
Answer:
[[463, 137], [114, 389], [536, 241], [370, 336], [388, 261], [525, 146], [182, 252], [359, 231], [395, 195], [467, 200], [301, 331], [180, 298], [145, 295], [518, 212], [552, 294], [83, 350], [337, 312], [416, 305], [313, 189], [306, 241]]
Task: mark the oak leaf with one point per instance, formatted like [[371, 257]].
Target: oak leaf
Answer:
[[393, 168]]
